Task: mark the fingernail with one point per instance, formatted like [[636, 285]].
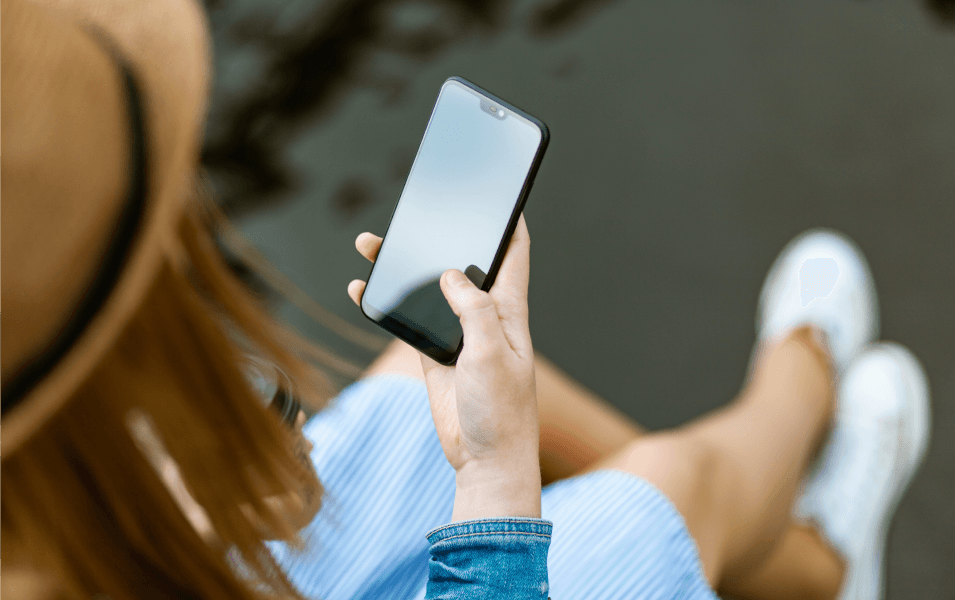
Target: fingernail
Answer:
[[455, 277]]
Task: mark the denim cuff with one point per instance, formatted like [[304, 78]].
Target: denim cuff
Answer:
[[492, 559]]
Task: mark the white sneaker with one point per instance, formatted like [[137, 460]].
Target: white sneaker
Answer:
[[820, 278], [879, 438]]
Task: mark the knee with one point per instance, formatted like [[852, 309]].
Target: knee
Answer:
[[678, 466], [691, 472], [694, 475]]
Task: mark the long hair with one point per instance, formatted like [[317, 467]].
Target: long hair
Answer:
[[83, 504]]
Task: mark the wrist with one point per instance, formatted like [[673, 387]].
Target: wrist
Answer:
[[488, 490]]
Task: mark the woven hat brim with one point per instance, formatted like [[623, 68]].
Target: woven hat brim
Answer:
[[165, 203], [172, 69]]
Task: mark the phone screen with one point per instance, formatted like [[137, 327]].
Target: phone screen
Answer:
[[467, 183]]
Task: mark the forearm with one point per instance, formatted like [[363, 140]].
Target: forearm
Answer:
[[512, 491]]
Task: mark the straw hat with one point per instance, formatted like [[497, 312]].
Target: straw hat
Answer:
[[83, 234]]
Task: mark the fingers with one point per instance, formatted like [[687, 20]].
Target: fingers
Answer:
[[476, 309], [512, 279], [510, 287], [368, 245], [356, 289]]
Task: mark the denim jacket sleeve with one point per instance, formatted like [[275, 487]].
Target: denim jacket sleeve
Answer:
[[492, 559]]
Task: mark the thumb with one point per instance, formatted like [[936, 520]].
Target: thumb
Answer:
[[476, 309]]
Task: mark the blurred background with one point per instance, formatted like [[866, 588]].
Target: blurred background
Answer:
[[691, 140]]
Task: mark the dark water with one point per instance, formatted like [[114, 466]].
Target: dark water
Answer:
[[690, 141]]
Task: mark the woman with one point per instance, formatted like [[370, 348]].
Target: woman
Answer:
[[139, 461]]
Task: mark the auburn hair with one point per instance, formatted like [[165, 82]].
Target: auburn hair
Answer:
[[83, 505]]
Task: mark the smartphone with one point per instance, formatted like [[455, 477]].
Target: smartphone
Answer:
[[458, 209]]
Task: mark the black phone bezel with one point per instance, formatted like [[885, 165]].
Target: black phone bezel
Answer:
[[415, 338]]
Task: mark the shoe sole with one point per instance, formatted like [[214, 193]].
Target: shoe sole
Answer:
[[870, 574]]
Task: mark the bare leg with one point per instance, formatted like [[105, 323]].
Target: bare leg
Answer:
[[733, 474], [577, 427], [581, 432], [801, 567]]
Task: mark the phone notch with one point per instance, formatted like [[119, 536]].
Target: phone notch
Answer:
[[497, 111]]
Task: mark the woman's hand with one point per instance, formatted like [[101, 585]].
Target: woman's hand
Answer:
[[485, 406]]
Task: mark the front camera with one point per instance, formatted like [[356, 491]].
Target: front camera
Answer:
[[492, 109]]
